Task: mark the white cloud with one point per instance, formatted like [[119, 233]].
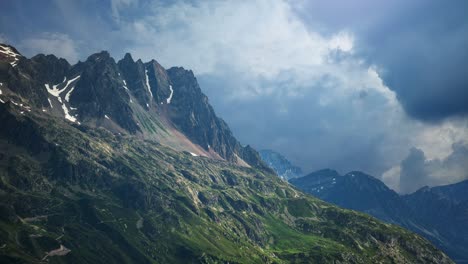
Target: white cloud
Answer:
[[118, 5], [3, 38], [261, 38], [58, 44], [392, 178], [342, 41]]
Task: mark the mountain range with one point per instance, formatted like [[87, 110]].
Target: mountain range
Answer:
[[438, 213], [127, 162]]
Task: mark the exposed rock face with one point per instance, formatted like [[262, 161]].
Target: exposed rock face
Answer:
[[159, 82], [28, 76], [191, 112], [193, 115], [133, 74], [100, 92]]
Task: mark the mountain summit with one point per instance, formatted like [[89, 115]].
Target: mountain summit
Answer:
[[126, 162]]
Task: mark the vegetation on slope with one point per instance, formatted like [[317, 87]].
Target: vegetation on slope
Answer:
[[119, 199]]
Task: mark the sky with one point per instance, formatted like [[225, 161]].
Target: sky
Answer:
[[376, 86]]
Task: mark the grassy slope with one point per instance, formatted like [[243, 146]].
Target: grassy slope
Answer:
[[119, 199]]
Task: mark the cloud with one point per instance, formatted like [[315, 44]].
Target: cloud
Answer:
[[3, 38], [118, 5], [58, 44], [420, 45], [417, 171], [260, 38]]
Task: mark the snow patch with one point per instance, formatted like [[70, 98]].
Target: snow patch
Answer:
[[56, 92], [193, 154], [1, 101], [67, 115], [125, 85], [147, 83], [10, 53], [106, 117], [67, 96], [0, 91], [168, 100], [147, 105]]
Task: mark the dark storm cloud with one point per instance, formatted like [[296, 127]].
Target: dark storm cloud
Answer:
[[426, 59], [421, 47]]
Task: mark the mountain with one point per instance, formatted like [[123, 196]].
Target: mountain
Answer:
[[126, 162], [439, 213], [280, 164], [127, 96]]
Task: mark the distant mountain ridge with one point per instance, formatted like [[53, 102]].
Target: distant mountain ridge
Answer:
[[438, 213], [280, 164]]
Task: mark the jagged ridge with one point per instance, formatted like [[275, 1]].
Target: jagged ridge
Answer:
[[126, 97]]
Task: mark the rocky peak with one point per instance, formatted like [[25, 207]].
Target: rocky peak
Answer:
[[134, 77], [130, 96], [192, 114], [26, 77], [159, 82], [48, 68], [9, 54], [100, 92], [100, 56]]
